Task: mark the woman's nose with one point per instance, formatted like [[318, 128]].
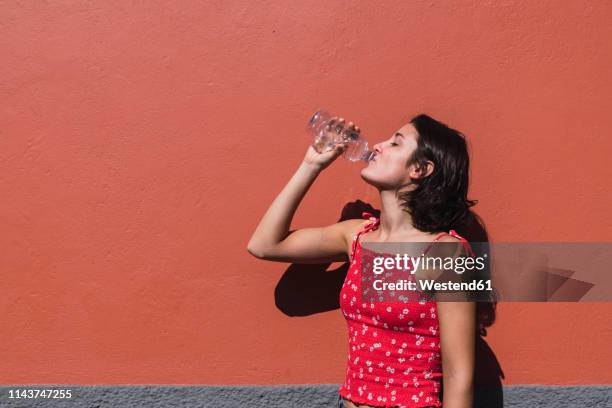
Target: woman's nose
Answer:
[[377, 148]]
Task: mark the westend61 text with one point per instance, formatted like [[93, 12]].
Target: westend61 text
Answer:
[[402, 284]]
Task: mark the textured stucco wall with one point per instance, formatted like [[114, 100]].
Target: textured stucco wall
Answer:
[[141, 142]]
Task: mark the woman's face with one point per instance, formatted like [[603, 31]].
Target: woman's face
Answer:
[[388, 170]]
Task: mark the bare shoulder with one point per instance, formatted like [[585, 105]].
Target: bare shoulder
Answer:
[[448, 238], [451, 250], [350, 228]]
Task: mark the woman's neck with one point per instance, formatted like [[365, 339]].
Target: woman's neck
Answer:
[[394, 220]]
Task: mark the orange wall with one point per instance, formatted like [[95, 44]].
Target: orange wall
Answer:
[[141, 143]]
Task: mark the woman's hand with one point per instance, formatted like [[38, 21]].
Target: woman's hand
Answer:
[[319, 161]]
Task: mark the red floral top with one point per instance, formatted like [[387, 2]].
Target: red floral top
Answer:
[[394, 354]]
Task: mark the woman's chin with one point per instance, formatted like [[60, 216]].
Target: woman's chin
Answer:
[[375, 180], [364, 173], [368, 177]]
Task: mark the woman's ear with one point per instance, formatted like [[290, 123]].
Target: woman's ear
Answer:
[[429, 168], [421, 170]]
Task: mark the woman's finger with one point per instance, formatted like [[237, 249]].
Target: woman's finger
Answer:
[[331, 123], [340, 125]]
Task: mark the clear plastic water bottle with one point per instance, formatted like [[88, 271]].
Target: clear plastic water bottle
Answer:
[[325, 138]]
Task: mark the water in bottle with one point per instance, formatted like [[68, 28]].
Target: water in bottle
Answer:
[[326, 137]]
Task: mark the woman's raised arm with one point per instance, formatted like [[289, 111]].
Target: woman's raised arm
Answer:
[[272, 239]]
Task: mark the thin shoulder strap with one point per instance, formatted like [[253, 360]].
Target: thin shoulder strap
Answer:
[[372, 225], [453, 233]]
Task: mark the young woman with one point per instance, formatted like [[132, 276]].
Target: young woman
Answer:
[[400, 354]]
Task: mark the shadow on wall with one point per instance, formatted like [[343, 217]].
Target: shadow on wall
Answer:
[[306, 289]]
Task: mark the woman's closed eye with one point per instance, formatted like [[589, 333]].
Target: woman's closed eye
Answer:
[[394, 144]]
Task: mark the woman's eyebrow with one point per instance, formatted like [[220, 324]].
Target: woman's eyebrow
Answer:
[[398, 134]]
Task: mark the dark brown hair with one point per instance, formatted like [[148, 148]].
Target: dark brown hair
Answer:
[[439, 202]]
